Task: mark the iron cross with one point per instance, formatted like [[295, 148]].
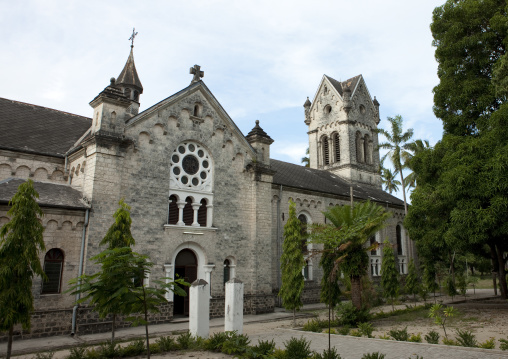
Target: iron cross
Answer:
[[131, 39], [197, 73]]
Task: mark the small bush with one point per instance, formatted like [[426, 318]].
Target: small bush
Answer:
[[264, 349], [332, 331], [134, 348], [185, 340], [349, 315], [466, 338], [488, 344], [447, 341], [235, 344], [366, 329], [77, 352], [355, 333], [504, 344], [375, 355], [155, 348], [279, 354], [312, 325], [48, 355], [384, 336], [399, 335], [93, 353], [415, 338], [432, 337], [297, 348], [110, 350], [214, 343], [344, 330], [331, 354], [166, 343]]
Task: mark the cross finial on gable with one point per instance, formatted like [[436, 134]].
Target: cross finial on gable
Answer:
[[131, 39], [197, 73]]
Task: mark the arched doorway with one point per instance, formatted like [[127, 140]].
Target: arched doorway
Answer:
[[186, 266]]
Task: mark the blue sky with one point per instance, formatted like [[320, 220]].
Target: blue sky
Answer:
[[261, 58]]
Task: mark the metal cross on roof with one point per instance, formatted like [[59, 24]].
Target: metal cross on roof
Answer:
[[197, 73], [131, 39]]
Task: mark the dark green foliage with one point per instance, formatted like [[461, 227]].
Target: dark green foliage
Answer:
[[366, 329], [166, 344], [375, 355], [330, 288], [312, 325], [412, 280], [327, 354], [504, 344], [185, 340], [119, 234], [462, 284], [451, 290], [46, 355], [466, 338], [110, 350], [77, 352], [297, 348], [400, 335], [389, 274], [291, 263], [134, 348], [264, 349], [20, 243], [350, 316], [432, 337], [235, 344], [429, 278], [344, 330], [389, 180]]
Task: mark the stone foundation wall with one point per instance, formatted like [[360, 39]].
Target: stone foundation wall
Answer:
[[311, 292], [252, 304]]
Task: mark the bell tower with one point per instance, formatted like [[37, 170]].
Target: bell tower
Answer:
[[342, 121]]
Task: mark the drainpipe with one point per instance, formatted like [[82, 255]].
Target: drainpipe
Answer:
[[80, 273], [279, 247]]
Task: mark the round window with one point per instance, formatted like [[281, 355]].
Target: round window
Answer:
[[190, 164], [191, 167]]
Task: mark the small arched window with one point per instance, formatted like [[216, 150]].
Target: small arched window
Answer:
[[336, 144], [366, 149], [202, 213], [359, 148], [303, 220], [306, 271], [53, 268], [127, 93], [197, 110], [326, 154], [227, 271], [398, 233], [173, 210], [372, 241], [136, 96], [188, 212]]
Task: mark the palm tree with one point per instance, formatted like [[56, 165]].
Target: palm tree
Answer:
[[306, 160], [415, 147], [397, 147], [347, 232], [388, 180]]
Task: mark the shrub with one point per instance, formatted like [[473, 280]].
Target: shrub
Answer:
[[77, 352], [279, 354], [331, 354], [155, 348], [447, 341], [355, 333], [166, 343], [185, 340], [134, 348], [399, 335], [235, 343], [384, 336], [415, 338], [214, 343], [263, 349], [110, 350], [366, 329], [350, 315], [332, 331], [48, 355], [488, 344], [312, 325], [344, 330], [466, 338], [504, 344], [297, 348], [375, 355], [432, 337]]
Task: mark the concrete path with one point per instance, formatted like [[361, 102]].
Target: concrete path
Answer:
[[273, 326]]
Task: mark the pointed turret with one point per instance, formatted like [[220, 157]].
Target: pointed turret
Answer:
[[128, 81], [261, 142]]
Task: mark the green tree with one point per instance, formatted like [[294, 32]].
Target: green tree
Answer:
[[21, 240], [397, 146], [389, 181], [104, 290], [389, 274], [291, 263], [414, 148], [306, 160], [412, 280], [429, 279], [330, 288], [348, 231]]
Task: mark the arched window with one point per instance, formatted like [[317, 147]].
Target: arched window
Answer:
[[197, 110], [173, 210], [202, 213], [53, 268], [188, 212], [136, 96], [372, 240], [336, 144], [326, 153], [128, 93], [366, 149], [398, 232], [306, 271], [227, 271], [359, 148], [303, 219]]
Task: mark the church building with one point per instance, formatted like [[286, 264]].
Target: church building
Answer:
[[208, 202]]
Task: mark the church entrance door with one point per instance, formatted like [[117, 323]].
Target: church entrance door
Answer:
[[186, 266]]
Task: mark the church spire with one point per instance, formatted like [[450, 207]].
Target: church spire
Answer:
[[128, 78]]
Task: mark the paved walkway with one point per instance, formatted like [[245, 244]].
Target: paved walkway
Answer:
[[272, 326]]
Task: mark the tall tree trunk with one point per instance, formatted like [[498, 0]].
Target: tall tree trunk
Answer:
[[113, 328], [403, 188], [502, 272], [9, 343], [356, 291], [146, 324], [495, 266]]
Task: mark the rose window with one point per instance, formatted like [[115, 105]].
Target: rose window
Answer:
[[191, 167]]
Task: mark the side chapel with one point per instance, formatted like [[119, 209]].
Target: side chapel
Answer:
[[207, 201]]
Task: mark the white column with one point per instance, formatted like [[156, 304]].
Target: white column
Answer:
[[199, 309], [168, 270], [195, 207], [180, 205], [233, 319], [208, 275], [209, 215], [232, 271]]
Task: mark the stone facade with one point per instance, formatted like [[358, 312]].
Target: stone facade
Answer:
[[131, 156]]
